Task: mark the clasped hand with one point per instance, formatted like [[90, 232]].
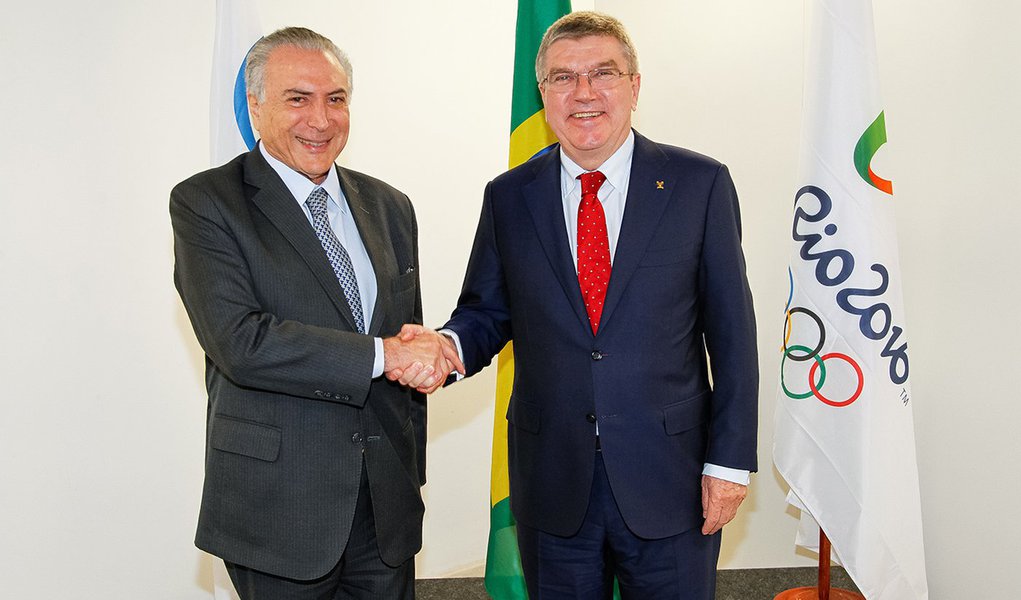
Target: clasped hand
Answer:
[[420, 358]]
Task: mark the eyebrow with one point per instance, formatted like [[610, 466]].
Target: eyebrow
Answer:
[[301, 92], [605, 63]]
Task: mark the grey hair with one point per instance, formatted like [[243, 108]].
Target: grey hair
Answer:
[[583, 24], [299, 37]]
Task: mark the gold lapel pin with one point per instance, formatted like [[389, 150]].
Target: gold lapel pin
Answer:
[[659, 185]]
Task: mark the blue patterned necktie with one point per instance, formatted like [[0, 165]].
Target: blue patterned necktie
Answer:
[[339, 258]]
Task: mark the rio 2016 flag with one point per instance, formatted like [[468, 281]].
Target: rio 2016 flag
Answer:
[[230, 130], [844, 431], [530, 136]]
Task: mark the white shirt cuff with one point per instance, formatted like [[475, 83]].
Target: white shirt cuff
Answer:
[[726, 473], [460, 354], [377, 364]]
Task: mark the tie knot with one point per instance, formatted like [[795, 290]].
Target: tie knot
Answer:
[[317, 201], [590, 182]]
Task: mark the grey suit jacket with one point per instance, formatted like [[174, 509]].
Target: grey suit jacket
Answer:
[[293, 412]]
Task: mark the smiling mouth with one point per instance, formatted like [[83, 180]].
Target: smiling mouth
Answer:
[[312, 144], [586, 115]]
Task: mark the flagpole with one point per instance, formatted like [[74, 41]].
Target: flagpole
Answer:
[[824, 566], [822, 591]]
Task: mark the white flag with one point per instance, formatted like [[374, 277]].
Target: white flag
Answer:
[[230, 130], [844, 432], [237, 30]]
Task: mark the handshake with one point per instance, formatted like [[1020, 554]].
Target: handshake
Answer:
[[420, 358]]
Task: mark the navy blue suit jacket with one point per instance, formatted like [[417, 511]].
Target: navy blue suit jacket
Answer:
[[677, 291]]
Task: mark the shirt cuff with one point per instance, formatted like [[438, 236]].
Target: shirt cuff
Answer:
[[726, 473], [377, 364], [460, 354]]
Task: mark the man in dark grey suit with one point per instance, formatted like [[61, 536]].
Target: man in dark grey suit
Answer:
[[292, 271]]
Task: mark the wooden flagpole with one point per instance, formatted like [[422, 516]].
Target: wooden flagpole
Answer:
[[822, 591]]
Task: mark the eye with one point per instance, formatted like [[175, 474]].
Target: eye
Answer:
[[296, 100], [604, 74], [561, 78], [338, 100]]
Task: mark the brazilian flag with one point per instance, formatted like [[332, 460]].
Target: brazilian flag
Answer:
[[529, 136]]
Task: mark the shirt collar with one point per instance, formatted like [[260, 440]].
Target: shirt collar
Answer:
[[616, 168], [299, 185]]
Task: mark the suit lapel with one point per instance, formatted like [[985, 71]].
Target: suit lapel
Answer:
[[545, 204], [276, 202], [646, 201], [372, 229]]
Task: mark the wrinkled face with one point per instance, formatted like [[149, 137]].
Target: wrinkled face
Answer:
[[303, 119], [591, 124]]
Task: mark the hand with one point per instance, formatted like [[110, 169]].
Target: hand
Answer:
[[720, 499], [420, 358]]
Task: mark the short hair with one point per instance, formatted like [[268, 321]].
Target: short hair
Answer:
[[583, 24], [299, 37]]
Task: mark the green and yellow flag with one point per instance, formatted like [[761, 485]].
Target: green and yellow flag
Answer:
[[529, 136]]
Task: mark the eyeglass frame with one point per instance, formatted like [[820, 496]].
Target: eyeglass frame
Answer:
[[577, 77]]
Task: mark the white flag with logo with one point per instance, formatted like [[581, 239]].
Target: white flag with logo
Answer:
[[237, 30], [844, 431], [230, 130]]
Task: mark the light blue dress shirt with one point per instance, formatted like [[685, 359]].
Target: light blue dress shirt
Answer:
[[344, 227]]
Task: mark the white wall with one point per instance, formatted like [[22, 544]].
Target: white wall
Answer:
[[105, 107]]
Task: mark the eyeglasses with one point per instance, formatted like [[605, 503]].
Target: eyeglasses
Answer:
[[599, 79]]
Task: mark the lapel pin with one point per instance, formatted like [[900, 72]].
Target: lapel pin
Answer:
[[659, 185]]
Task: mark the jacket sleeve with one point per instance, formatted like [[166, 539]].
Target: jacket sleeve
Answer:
[[482, 318], [730, 335], [252, 347]]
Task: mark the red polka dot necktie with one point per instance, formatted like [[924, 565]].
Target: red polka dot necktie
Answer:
[[593, 247]]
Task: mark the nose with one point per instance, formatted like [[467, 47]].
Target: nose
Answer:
[[583, 87], [317, 118]]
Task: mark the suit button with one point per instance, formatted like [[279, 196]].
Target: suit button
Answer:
[[591, 418], [345, 398], [597, 355], [319, 393], [356, 438]]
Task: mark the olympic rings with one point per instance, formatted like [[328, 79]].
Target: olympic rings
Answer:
[[818, 365], [822, 334], [857, 370]]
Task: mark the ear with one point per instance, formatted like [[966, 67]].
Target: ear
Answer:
[[636, 85], [253, 109]]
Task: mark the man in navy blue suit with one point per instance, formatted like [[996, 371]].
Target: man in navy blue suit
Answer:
[[614, 264]]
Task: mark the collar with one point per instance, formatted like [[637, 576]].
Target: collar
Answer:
[[616, 168], [299, 185]]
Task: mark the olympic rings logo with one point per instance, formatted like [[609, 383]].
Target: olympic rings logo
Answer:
[[817, 374]]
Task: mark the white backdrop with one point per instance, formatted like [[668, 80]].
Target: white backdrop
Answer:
[[104, 108]]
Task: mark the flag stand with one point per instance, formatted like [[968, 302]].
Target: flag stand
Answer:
[[823, 590]]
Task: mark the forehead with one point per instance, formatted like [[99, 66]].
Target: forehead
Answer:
[[588, 51], [287, 66]]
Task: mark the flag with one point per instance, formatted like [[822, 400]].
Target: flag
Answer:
[[530, 136], [237, 30], [844, 429], [230, 130]]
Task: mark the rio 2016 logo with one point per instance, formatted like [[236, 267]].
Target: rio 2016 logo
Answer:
[[833, 268]]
